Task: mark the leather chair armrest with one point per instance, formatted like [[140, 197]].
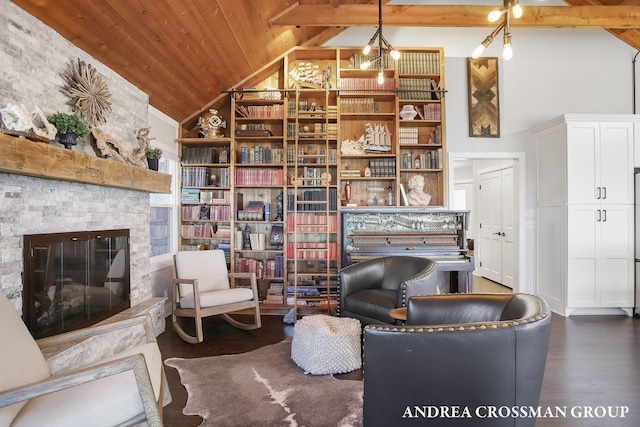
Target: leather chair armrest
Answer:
[[357, 277], [424, 283]]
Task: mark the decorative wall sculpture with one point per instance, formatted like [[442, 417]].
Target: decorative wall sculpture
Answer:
[[484, 99]]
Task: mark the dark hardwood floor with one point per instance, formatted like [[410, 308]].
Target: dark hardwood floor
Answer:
[[593, 362]]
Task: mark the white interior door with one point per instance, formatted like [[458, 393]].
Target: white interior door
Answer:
[[490, 226], [497, 230], [509, 249]]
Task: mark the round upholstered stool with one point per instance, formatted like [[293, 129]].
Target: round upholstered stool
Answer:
[[324, 345]]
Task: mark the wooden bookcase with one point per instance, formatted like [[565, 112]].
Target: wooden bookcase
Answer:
[[289, 128]]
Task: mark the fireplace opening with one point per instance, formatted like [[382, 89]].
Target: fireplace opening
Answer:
[[74, 280]]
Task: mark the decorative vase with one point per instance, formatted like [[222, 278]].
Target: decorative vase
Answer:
[[68, 139], [153, 164], [408, 112]]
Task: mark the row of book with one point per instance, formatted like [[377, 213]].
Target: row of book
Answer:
[[408, 136], [419, 63], [367, 84], [260, 155], [312, 250], [263, 268], [198, 176], [319, 155], [261, 111], [206, 231], [429, 160], [359, 58], [312, 223], [319, 195], [382, 168], [206, 213], [418, 89], [358, 105], [200, 155], [431, 111], [411, 136], [259, 177]]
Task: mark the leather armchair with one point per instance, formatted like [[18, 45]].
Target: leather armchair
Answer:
[[370, 289], [468, 353]]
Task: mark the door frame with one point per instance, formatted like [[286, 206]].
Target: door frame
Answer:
[[519, 173]]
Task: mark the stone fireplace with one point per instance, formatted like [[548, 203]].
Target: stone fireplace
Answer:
[[74, 280], [57, 204]]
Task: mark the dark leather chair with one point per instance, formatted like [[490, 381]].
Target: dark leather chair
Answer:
[[480, 356], [370, 289]]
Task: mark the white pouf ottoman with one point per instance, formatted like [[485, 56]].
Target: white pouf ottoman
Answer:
[[324, 345]]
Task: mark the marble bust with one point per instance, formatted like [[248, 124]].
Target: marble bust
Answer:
[[416, 195]]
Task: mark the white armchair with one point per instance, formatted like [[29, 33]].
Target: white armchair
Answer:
[[202, 289], [121, 389]]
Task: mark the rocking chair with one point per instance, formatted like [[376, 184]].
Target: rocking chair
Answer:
[[202, 289]]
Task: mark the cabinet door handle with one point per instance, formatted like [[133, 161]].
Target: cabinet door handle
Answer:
[[604, 215], [598, 192], [598, 216], [604, 192]]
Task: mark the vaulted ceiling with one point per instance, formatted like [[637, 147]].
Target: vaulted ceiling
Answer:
[[184, 53]]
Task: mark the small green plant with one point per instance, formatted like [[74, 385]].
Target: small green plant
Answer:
[[68, 123], [154, 153]]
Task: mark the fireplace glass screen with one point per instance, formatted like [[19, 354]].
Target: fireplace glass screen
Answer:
[[73, 280]]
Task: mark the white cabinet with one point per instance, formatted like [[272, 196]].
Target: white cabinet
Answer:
[[600, 260], [585, 224], [599, 158]]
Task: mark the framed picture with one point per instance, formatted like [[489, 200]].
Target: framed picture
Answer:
[[484, 99]]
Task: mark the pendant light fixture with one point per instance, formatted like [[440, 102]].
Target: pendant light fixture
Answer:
[[510, 9], [384, 47]]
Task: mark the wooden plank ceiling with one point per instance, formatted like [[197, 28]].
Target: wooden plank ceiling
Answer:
[[184, 53]]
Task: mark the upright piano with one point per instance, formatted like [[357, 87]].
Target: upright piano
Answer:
[[433, 233]]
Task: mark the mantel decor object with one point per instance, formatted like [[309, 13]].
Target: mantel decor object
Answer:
[[89, 93], [153, 157], [69, 127]]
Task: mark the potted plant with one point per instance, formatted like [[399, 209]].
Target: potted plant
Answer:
[[153, 154], [69, 127]]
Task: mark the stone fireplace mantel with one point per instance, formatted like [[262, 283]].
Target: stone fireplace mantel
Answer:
[[23, 157]]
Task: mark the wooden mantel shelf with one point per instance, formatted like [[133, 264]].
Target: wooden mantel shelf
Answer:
[[23, 157]]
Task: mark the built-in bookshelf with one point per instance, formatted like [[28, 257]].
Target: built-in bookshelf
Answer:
[[306, 136]]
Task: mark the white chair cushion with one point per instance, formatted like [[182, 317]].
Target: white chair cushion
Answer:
[[105, 402], [325, 345], [21, 361], [216, 298], [209, 267]]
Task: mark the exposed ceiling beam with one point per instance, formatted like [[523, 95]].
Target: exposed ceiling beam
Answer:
[[349, 15]]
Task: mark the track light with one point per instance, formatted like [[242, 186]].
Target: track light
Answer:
[[384, 47], [511, 8]]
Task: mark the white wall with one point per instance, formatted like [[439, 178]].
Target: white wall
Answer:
[[553, 71]]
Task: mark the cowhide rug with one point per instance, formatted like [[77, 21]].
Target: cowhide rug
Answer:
[[266, 388]]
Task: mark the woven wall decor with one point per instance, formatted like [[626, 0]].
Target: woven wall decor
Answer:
[[484, 99], [88, 91]]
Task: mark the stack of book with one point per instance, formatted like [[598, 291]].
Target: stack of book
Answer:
[[275, 293], [254, 211], [190, 195]]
